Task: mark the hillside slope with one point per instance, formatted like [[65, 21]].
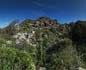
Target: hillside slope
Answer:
[[52, 46]]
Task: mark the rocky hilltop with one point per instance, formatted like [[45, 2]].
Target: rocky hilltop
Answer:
[[51, 45]]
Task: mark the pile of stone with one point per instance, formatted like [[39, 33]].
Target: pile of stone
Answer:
[[24, 38]]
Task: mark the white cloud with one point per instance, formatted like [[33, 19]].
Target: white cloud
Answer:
[[43, 5], [3, 24]]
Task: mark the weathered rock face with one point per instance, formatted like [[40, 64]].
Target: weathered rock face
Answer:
[[80, 68], [24, 37], [42, 68], [39, 23]]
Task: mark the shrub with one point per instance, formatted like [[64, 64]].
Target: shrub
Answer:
[[13, 59], [78, 32], [64, 58]]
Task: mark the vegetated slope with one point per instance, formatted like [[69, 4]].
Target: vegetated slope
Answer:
[[52, 45]]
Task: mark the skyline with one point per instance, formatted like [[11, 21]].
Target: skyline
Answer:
[[62, 10]]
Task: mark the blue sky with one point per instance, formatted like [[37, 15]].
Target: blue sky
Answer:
[[62, 10]]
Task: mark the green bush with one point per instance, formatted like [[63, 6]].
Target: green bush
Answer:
[[13, 59], [64, 58], [78, 32]]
